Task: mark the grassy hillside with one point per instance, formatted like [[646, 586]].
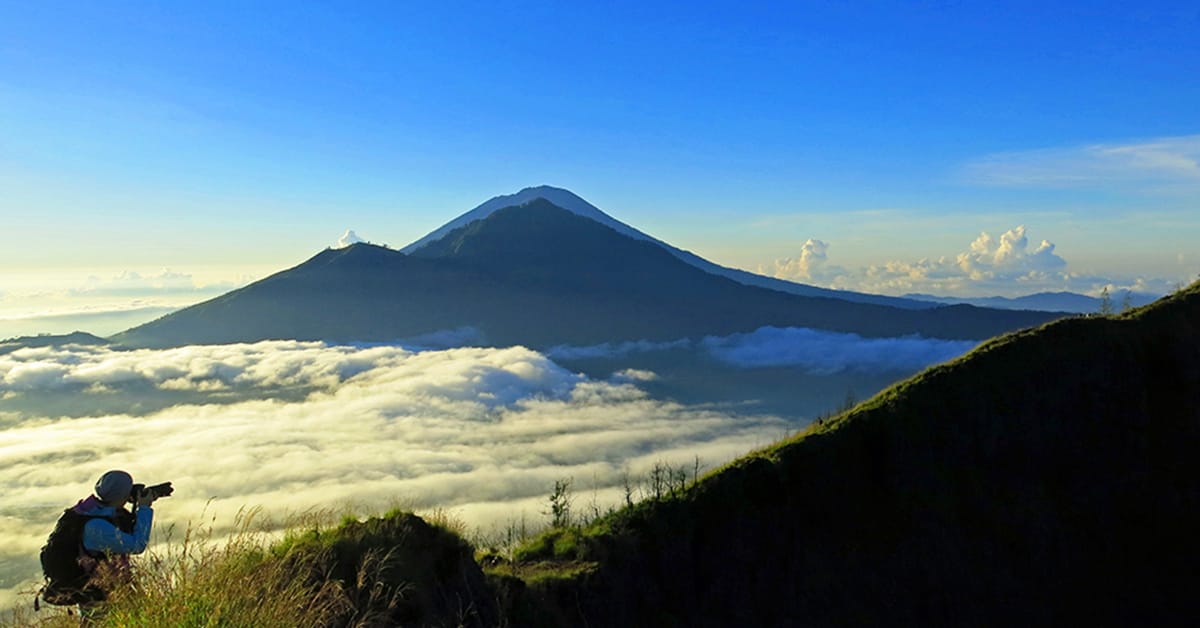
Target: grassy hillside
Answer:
[[1049, 477]]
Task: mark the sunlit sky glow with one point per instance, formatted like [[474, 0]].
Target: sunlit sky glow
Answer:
[[209, 144]]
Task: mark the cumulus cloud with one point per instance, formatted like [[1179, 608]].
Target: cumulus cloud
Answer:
[[484, 432], [1006, 265], [824, 353], [1010, 255], [809, 265], [347, 239]]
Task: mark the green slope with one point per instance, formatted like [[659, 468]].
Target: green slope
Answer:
[[1051, 477]]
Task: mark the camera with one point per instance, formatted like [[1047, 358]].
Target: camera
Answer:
[[158, 490]]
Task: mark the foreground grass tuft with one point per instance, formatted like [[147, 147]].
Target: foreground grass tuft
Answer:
[[234, 583]]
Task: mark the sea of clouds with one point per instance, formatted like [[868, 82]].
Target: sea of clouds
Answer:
[[813, 351], [291, 426]]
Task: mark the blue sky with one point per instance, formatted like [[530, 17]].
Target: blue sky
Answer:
[[226, 140]]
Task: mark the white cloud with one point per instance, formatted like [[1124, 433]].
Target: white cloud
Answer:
[[470, 429], [824, 353], [35, 376], [1153, 162], [634, 375], [131, 282], [53, 303], [444, 339], [989, 266], [1009, 256], [614, 349], [816, 351], [348, 239], [809, 265], [165, 280]]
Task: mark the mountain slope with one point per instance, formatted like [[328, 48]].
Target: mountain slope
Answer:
[[536, 275], [573, 203], [1048, 478]]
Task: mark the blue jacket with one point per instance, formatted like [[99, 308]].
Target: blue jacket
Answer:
[[100, 535]]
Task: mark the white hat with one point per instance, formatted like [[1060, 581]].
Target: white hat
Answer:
[[114, 486]]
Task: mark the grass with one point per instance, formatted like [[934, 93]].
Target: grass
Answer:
[[248, 579], [325, 569], [238, 582]]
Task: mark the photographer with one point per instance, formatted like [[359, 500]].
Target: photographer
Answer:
[[88, 552], [109, 532]]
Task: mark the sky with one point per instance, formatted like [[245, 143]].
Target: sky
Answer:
[[154, 155]]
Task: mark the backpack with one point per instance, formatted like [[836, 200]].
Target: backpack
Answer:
[[67, 580]]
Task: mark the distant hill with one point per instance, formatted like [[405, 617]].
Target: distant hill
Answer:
[[537, 275], [1050, 477], [1045, 301], [50, 340]]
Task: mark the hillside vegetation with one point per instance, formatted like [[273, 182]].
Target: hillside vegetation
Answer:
[[1050, 477]]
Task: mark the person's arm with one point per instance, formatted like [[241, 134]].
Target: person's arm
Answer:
[[100, 535]]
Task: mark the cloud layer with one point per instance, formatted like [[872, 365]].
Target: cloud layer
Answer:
[[1006, 265], [301, 425], [814, 351], [100, 305], [824, 353]]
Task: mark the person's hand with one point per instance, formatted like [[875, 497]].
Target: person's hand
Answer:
[[146, 498]]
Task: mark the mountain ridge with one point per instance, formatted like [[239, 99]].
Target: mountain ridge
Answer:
[[50, 340], [1061, 301], [574, 203], [541, 276]]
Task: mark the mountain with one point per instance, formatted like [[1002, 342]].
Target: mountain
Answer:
[[50, 340], [1049, 477], [573, 203], [538, 275], [1044, 301]]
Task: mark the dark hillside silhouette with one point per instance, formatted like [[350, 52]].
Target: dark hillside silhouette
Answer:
[[1050, 477]]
